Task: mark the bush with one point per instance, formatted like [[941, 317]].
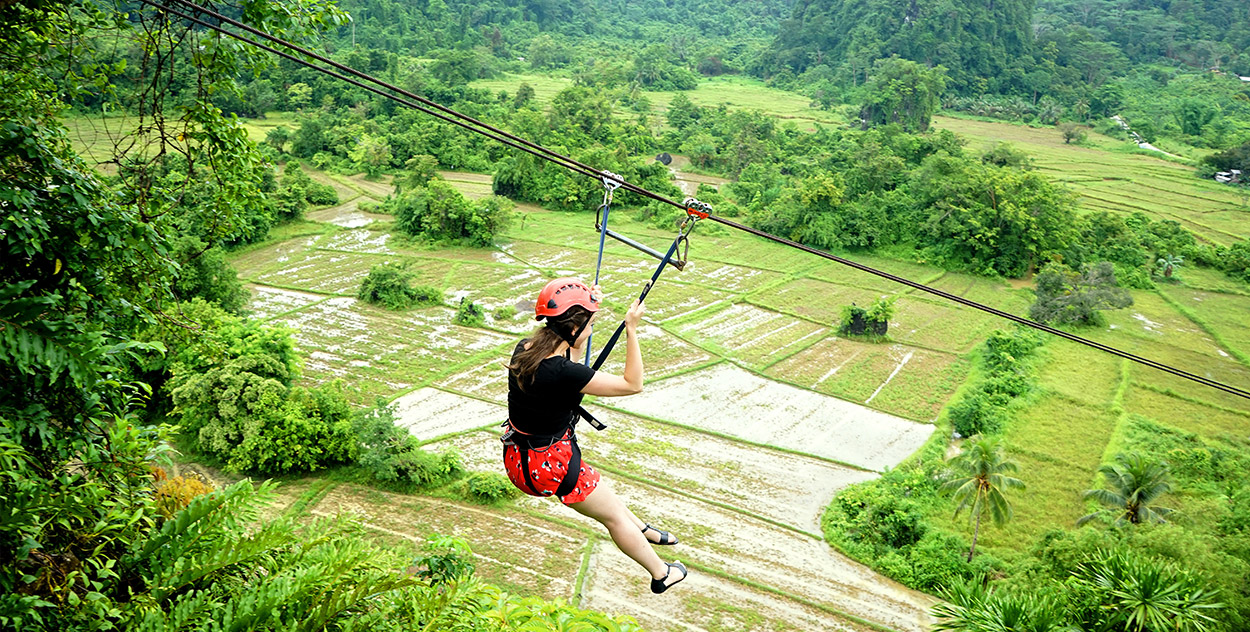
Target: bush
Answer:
[[174, 494], [490, 487], [1068, 297], [390, 285], [469, 314], [391, 455], [873, 322], [439, 212], [504, 312], [978, 414]]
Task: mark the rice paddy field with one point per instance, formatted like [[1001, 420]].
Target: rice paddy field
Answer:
[[737, 93], [1107, 177], [747, 377]]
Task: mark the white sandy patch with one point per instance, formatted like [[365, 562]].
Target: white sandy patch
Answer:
[[902, 363], [727, 399], [429, 412], [1147, 324], [268, 302], [360, 240], [834, 371]]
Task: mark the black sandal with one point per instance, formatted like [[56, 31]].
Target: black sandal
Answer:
[[660, 585], [666, 538]]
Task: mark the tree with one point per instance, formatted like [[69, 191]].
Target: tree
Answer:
[[524, 94], [1072, 132], [1167, 265], [904, 92], [977, 480], [371, 153], [299, 95], [441, 213], [278, 137], [1134, 483], [1069, 297]]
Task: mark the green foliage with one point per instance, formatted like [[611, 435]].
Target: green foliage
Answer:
[[278, 137], [447, 559], [390, 285], [1233, 158], [1069, 297], [490, 487], [469, 314], [874, 321], [971, 606], [204, 273], [1005, 373], [977, 480], [439, 212], [503, 312], [393, 456], [232, 391], [978, 413], [1128, 592], [1134, 483], [903, 92], [882, 523], [1072, 132]]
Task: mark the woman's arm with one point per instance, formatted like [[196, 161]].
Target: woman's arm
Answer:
[[605, 384]]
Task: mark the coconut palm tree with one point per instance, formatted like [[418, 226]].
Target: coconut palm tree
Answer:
[[976, 481], [1134, 483]]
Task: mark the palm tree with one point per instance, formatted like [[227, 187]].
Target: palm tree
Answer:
[[977, 480], [1134, 483]]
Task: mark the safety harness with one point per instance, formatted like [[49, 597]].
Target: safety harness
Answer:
[[695, 210]]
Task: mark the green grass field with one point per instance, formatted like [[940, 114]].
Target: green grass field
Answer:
[[738, 93], [1107, 179]]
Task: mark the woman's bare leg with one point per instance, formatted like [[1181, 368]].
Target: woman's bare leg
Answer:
[[624, 527]]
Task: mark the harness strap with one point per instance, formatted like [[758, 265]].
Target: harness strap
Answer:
[[524, 446]]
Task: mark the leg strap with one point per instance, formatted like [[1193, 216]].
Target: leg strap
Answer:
[[569, 482]]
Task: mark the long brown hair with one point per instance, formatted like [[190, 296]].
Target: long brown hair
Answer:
[[545, 341]]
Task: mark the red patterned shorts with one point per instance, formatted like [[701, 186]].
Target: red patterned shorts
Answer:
[[547, 469]]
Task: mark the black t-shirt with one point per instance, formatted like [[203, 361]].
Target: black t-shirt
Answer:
[[545, 407]]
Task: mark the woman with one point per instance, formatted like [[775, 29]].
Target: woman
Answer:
[[545, 389]]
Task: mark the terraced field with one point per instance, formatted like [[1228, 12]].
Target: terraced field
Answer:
[[746, 378], [1121, 182], [737, 359]]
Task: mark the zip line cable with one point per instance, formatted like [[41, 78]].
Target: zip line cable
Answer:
[[456, 118]]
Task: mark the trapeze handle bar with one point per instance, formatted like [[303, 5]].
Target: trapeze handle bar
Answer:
[[680, 265]]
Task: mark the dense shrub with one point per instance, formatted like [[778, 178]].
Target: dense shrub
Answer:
[[882, 523], [391, 455], [233, 396], [469, 314], [439, 212], [1068, 297], [978, 413], [490, 487], [873, 322], [391, 285]]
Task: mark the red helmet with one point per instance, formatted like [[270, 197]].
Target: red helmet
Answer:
[[561, 294]]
